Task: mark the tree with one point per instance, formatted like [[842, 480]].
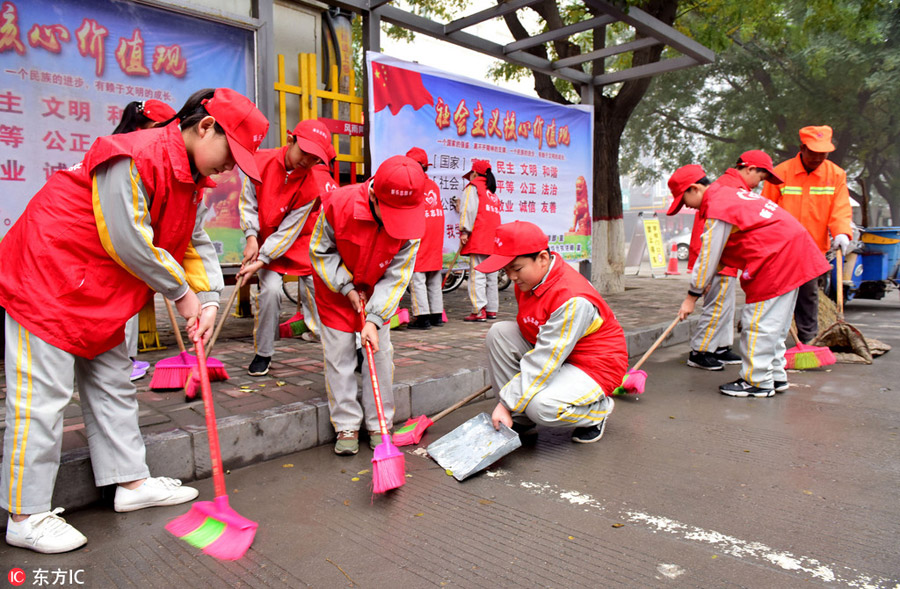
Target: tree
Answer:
[[807, 62], [612, 106]]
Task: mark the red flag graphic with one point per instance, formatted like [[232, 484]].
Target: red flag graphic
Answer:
[[394, 88]]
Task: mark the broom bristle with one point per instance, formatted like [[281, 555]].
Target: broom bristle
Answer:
[[171, 373], [635, 382], [232, 544], [388, 468], [411, 432], [215, 528], [825, 356]]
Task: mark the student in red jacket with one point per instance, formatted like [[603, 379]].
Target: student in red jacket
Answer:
[[744, 230], [273, 212], [712, 340], [425, 285], [478, 220], [363, 250], [566, 351], [88, 252], [139, 115]]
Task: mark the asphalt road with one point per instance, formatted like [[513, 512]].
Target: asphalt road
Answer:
[[688, 488]]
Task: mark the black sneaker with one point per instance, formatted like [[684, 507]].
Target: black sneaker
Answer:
[[726, 356], [420, 322], [436, 319], [742, 388], [781, 386], [704, 361], [524, 429], [259, 366], [591, 434]]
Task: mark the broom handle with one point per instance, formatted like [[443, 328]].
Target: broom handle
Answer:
[[656, 344], [212, 432], [175, 327], [452, 264], [840, 283], [795, 335], [376, 391], [459, 404], [225, 313]]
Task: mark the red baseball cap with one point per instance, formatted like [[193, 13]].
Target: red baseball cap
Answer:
[[680, 181], [315, 138], [398, 188], [245, 126], [418, 154], [817, 138], [761, 159], [157, 111], [512, 240], [479, 167]]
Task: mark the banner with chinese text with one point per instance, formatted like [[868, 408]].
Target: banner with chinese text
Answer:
[[69, 68], [540, 152]]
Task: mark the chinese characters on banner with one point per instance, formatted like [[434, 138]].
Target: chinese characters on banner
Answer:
[[540, 152], [69, 68]]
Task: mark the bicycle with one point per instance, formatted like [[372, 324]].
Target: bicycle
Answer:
[[458, 275]]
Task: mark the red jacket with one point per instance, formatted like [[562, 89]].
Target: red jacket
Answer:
[[322, 184], [481, 241], [365, 249], [603, 354], [431, 249], [732, 178], [58, 281], [278, 194], [775, 251]]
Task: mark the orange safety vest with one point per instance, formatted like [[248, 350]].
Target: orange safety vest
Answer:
[[819, 200]]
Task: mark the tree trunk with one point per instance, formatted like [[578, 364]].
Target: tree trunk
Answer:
[[608, 227]]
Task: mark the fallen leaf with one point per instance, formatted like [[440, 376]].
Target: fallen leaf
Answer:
[[354, 479], [449, 472], [485, 501], [280, 383], [747, 451], [419, 514], [346, 502], [571, 537], [671, 417], [715, 556], [364, 471], [618, 525], [343, 471], [262, 386], [288, 465], [805, 492]]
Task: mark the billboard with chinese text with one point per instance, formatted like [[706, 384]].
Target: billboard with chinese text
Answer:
[[540, 152], [69, 67]]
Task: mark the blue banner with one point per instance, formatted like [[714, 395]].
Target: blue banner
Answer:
[[540, 152], [69, 68]]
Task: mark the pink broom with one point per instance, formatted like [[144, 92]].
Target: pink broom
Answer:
[[213, 525], [388, 463], [172, 373], [804, 357], [412, 431], [215, 367], [635, 379]]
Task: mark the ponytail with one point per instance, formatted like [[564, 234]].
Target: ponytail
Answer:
[[193, 110], [490, 181], [132, 119]]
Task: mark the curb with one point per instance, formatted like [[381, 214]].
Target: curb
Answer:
[[270, 433]]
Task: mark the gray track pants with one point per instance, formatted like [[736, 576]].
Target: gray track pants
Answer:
[[340, 380], [482, 287], [306, 288], [40, 381], [132, 327], [716, 326], [268, 311], [425, 292], [568, 398], [766, 325]]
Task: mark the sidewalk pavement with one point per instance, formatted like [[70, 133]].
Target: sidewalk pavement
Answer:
[[261, 418]]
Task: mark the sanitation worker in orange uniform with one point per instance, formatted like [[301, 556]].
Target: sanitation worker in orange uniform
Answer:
[[815, 193]]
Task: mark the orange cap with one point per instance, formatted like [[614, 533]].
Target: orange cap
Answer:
[[817, 138]]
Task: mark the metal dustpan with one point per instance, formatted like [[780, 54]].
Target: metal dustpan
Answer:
[[473, 446]]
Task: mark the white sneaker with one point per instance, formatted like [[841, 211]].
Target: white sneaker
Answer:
[[44, 532], [155, 491]]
